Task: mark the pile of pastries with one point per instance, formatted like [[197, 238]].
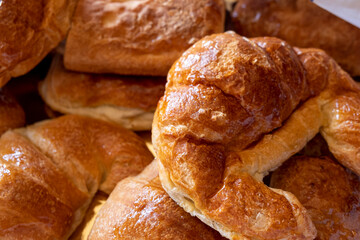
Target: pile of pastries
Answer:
[[252, 105]]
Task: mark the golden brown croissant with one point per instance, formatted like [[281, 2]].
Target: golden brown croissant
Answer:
[[50, 171], [138, 37], [330, 194], [30, 30], [128, 101], [139, 208], [303, 24], [11, 113], [234, 109]]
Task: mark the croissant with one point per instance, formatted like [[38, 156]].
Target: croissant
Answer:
[[128, 101], [11, 113], [29, 31], [51, 170], [303, 24], [139, 208], [330, 194], [235, 109], [138, 37]]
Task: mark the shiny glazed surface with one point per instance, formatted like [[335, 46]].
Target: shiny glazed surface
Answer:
[[139, 207], [235, 108], [50, 171]]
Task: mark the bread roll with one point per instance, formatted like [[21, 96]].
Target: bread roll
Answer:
[[50, 171], [11, 113], [30, 30], [139, 208], [302, 24], [138, 37], [233, 110], [330, 194], [128, 101]]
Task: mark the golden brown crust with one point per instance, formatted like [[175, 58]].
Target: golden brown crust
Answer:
[[138, 38], [329, 193], [234, 109], [124, 100], [342, 129], [301, 23], [11, 113], [51, 170], [30, 30], [140, 207], [217, 102]]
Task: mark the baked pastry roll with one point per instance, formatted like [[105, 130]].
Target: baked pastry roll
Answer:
[[129, 101], [303, 24], [139, 208], [233, 110], [330, 193], [138, 37], [30, 30], [50, 171], [11, 113]]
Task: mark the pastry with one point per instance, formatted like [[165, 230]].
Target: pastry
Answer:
[[50, 171], [137, 37], [139, 208], [30, 30], [233, 110], [303, 24], [128, 101], [330, 193]]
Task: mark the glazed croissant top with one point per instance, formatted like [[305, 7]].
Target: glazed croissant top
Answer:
[[234, 109], [50, 171]]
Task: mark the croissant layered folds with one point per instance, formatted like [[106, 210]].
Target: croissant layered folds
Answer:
[[235, 109], [139, 208], [128, 101], [330, 194], [303, 24], [138, 37], [50, 171], [30, 30]]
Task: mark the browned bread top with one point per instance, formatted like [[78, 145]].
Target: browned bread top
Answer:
[[29, 31], [138, 37], [303, 24], [330, 194]]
